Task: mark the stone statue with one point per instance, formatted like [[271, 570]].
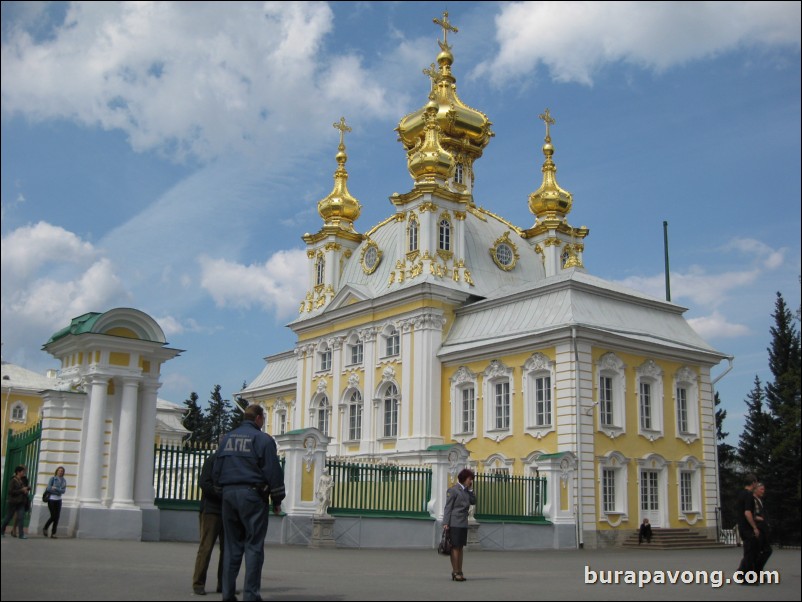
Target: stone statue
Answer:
[[323, 494]]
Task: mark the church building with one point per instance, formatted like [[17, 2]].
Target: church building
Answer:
[[445, 323]]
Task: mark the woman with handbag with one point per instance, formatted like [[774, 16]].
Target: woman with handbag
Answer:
[[459, 499], [56, 487]]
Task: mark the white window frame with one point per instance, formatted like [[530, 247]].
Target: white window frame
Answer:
[[391, 340], [19, 411], [356, 406], [497, 374], [318, 405], [280, 421], [356, 353], [413, 234], [390, 409], [611, 367], [649, 376], [444, 234], [462, 380], [459, 173], [687, 379], [691, 469], [613, 463], [538, 368], [320, 270]]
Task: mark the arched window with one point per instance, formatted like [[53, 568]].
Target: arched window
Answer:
[[445, 235], [459, 173], [412, 234], [391, 411], [18, 412], [355, 416], [320, 270], [392, 343], [323, 415]]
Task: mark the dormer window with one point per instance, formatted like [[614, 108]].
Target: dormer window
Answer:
[[445, 235], [320, 270], [412, 234]]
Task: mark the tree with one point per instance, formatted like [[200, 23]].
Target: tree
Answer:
[[218, 419], [729, 483], [242, 403], [194, 420], [754, 451], [783, 396]]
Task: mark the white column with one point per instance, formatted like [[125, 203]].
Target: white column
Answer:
[[91, 470], [146, 441], [369, 356], [126, 445]]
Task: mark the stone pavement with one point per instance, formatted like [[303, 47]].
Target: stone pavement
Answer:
[[81, 569]]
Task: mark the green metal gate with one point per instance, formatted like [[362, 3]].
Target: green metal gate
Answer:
[[21, 449]]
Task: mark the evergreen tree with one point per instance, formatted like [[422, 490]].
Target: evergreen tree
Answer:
[[194, 420], [242, 403], [754, 452], [783, 395], [218, 419], [729, 482]]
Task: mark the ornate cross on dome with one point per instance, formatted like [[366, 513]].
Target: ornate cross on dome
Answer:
[[431, 72], [446, 28], [546, 116], [343, 127]]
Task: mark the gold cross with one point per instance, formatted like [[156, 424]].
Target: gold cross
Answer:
[[549, 121], [446, 27], [431, 72], [343, 127]]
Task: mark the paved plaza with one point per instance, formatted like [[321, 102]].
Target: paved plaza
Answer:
[[80, 569]]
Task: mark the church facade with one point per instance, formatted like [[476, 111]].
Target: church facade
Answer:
[[446, 323]]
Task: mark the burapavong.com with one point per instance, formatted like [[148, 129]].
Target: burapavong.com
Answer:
[[644, 578]]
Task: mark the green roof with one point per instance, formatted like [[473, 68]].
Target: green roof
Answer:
[[80, 325]]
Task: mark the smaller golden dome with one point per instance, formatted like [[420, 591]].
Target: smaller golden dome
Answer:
[[339, 208], [430, 160], [550, 201]]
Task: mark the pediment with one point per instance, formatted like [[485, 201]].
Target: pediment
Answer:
[[348, 295]]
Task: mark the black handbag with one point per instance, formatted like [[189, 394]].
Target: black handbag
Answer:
[[445, 544], [46, 496]]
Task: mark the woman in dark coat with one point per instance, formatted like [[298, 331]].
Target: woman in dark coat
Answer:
[[459, 499], [17, 500]]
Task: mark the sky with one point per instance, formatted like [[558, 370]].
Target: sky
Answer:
[[170, 156]]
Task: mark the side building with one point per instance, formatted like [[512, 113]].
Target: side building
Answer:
[[445, 323]]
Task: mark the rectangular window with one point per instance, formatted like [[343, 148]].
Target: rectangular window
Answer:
[[608, 490], [682, 410], [646, 406], [392, 345], [468, 409], [686, 491], [543, 401], [356, 353], [325, 360], [502, 395], [390, 418], [606, 400], [323, 421], [282, 423], [355, 422]]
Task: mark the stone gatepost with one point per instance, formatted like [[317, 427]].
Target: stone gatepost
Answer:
[[305, 460], [559, 470], [446, 462]]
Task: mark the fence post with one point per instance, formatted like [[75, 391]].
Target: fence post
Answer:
[[446, 462]]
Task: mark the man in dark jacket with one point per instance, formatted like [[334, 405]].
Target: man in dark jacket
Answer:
[[211, 529], [247, 469]]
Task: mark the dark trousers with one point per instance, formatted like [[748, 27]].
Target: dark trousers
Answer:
[[211, 530], [19, 511], [751, 545], [763, 550], [55, 514], [245, 517]]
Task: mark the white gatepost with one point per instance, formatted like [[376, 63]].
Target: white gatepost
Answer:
[[558, 469], [446, 462], [305, 459]]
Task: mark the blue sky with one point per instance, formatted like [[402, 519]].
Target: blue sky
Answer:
[[170, 156]]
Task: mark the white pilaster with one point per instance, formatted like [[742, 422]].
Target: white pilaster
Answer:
[[91, 470], [143, 480], [126, 446]]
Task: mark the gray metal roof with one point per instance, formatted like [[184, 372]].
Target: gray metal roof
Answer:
[[280, 369]]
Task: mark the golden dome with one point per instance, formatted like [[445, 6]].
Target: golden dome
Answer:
[[339, 208], [462, 128], [430, 160], [549, 201]]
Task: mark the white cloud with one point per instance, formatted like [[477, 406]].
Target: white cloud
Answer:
[[771, 259], [716, 326], [30, 248], [189, 79], [277, 285], [575, 39]]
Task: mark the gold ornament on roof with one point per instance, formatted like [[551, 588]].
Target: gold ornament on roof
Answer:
[[339, 208], [549, 201], [462, 128], [430, 160]]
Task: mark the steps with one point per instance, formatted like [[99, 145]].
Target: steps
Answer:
[[673, 539]]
